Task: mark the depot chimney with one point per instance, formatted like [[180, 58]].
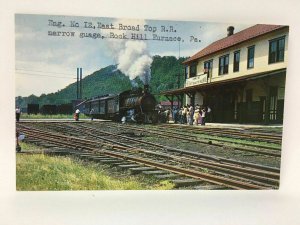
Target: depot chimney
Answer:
[[230, 31]]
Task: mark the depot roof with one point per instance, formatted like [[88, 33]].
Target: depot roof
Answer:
[[234, 39]]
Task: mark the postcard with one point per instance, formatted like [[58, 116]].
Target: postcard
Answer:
[[130, 104]]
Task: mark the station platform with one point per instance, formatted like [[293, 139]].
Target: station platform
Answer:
[[233, 125]]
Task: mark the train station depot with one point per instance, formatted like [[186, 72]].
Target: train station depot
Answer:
[[240, 77]]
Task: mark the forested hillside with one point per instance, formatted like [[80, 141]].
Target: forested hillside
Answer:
[[164, 72]]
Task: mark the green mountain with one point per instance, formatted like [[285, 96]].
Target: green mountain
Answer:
[[164, 72]]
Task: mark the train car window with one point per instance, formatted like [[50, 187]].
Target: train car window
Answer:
[[117, 104], [95, 106], [110, 106], [102, 107]]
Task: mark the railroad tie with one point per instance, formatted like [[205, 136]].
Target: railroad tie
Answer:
[[155, 172], [85, 155], [210, 187], [49, 145], [128, 166], [56, 151], [99, 158], [186, 182], [121, 162], [103, 159], [110, 161], [167, 176], [140, 169]]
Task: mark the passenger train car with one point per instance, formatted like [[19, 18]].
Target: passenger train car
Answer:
[[136, 105]]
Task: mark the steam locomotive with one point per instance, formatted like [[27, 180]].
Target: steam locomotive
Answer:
[[136, 105]]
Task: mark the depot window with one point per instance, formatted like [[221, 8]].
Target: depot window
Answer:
[[186, 72], [236, 61], [276, 50], [208, 67], [193, 70], [223, 64], [250, 61]]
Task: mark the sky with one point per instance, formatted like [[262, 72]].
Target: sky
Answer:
[[46, 63]]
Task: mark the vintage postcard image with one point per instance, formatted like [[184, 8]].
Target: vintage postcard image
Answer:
[[127, 104]]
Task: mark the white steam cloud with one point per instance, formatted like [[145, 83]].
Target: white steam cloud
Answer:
[[134, 61], [132, 56]]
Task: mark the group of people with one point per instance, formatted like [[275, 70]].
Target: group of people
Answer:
[[190, 115], [164, 116], [185, 115]]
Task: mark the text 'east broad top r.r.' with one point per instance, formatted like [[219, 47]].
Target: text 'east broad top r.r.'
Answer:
[[115, 30]]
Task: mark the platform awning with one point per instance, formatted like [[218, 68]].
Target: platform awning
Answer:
[[203, 86]]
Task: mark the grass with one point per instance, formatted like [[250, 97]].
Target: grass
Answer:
[[57, 116], [27, 146], [40, 172]]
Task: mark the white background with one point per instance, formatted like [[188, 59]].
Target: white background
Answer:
[[280, 207]]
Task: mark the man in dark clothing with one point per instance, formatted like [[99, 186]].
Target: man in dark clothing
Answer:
[[18, 114]]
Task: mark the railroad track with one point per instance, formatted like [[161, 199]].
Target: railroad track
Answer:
[[260, 150], [96, 133], [230, 133], [182, 130], [238, 177]]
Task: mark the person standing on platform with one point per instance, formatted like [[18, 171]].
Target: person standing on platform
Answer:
[[175, 114], [196, 116], [76, 116], [203, 114], [184, 114], [167, 115], [18, 113], [92, 114], [191, 118], [200, 117], [180, 115], [187, 114]]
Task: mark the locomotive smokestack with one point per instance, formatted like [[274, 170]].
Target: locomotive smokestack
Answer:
[[146, 88]]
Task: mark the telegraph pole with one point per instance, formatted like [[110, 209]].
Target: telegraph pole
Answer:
[[79, 83]]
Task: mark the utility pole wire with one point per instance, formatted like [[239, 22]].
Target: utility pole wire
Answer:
[[44, 76], [39, 71]]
